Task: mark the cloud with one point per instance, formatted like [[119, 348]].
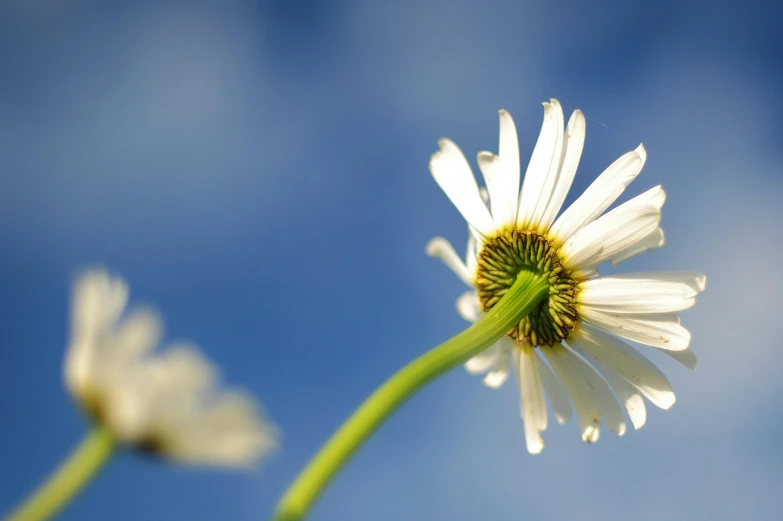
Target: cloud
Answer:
[[176, 129]]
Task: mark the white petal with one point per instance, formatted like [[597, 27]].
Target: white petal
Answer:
[[605, 400], [556, 394], [443, 250], [601, 239], [98, 302], [621, 251], [613, 234], [471, 255], [485, 360], [628, 396], [230, 432], [686, 358], [696, 281], [654, 197], [137, 335], [550, 181], [501, 174], [497, 376], [489, 164], [484, 193], [602, 349], [599, 195], [586, 413], [657, 330], [661, 292], [508, 150], [532, 402], [149, 400], [174, 403], [592, 397], [127, 407], [538, 167], [573, 143], [184, 371], [453, 174], [498, 373], [468, 306], [653, 241]]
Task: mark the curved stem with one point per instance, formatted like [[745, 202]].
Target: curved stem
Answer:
[[526, 292], [68, 480]]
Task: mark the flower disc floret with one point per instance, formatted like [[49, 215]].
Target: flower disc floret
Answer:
[[502, 258]]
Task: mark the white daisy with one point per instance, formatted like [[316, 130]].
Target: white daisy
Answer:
[[166, 403], [566, 349]]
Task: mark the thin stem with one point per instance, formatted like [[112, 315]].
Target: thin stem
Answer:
[[526, 292], [69, 479]]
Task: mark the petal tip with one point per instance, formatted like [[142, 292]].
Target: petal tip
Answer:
[[535, 446], [495, 379], [591, 434], [662, 197], [485, 156], [642, 152], [434, 246], [667, 401], [638, 421], [445, 147]]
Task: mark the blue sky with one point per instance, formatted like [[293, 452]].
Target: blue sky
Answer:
[[258, 171]]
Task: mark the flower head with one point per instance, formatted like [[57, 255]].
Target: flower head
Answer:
[[166, 403], [566, 350]]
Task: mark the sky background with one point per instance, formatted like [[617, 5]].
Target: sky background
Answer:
[[258, 171]]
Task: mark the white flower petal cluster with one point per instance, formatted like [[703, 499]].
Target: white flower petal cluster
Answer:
[[592, 369], [165, 402]]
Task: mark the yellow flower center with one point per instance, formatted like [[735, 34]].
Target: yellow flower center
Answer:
[[500, 260]]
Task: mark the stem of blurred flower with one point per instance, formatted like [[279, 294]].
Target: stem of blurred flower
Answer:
[[527, 291], [69, 479]]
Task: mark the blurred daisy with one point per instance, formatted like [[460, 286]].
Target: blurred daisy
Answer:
[[165, 403], [566, 350]]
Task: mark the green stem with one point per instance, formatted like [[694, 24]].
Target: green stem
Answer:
[[526, 292], [68, 480]]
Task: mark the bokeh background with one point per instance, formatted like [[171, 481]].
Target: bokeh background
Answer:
[[258, 171]]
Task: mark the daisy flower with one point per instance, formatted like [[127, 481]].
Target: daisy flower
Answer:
[[567, 351], [165, 403]]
